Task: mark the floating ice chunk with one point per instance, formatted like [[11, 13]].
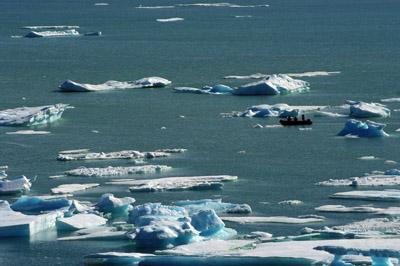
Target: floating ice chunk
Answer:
[[119, 170], [374, 226], [217, 89], [14, 186], [101, 4], [113, 205], [34, 204], [391, 100], [390, 162], [175, 183], [33, 34], [378, 195], [49, 27], [368, 157], [17, 224], [169, 19], [217, 205], [306, 74], [369, 180], [71, 188], [291, 202], [74, 151], [150, 82], [276, 219], [140, 214], [95, 33], [273, 85], [207, 222], [126, 154], [360, 129], [97, 233], [2, 174], [172, 150], [28, 132], [28, 116], [76, 207], [277, 110], [362, 109], [341, 208], [80, 221]]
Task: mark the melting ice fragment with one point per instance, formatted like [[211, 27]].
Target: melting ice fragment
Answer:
[[28, 116], [217, 205], [119, 170], [34, 204], [378, 195], [150, 82], [80, 221], [362, 109], [368, 129], [70, 188], [14, 186], [113, 205], [273, 85], [34, 34], [169, 19]]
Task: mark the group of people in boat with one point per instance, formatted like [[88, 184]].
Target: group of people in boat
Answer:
[[303, 118], [295, 121]]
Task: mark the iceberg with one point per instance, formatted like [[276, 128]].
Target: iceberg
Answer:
[[34, 204], [96, 233], [273, 85], [70, 188], [217, 205], [344, 209], [14, 186], [275, 219], [34, 34], [378, 195], [29, 116], [80, 221], [174, 183], [207, 222], [126, 154], [119, 170], [150, 82], [369, 180], [14, 224], [113, 205], [362, 109], [217, 89], [276, 110], [368, 129]]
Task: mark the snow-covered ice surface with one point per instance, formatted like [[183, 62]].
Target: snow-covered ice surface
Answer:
[[362, 109], [378, 195], [28, 132], [80, 221], [113, 205], [273, 85], [373, 226], [119, 170], [368, 129], [71, 188], [217, 205], [169, 19], [150, 82], [35, 204], [174, 183], [28, 116], [14, 223], [82, 154], [369, 180], [59, 33], [16, 185], [275, 219]]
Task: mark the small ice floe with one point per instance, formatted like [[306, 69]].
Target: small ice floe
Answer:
[[113, 205], [60, 33], [243, 16], [28, 132], [391, 100], [275, 219], [119, 170], [74, 151], [363, 110], [305, 74], [169, 19], [368, 180], [101, 4], [377, 195], [217, 205], [63, 27], [172, 150], [273, 126], [368, 129], [35, 204], [373, 227], [71, 188], [13, 224], [16, 185], [3, 172], [341, 208], [266, 110], [80, 221], [219, 5], [273, 85], [390, 162], [154, 7], [217, 89], [97, 233], [28, 116], [150, 82], [127, 154], [367, 157], [174, 183], [291, 202], [94, 33]]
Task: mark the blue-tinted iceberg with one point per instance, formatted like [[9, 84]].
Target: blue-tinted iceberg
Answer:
[[277, 110], [34, 34], [113, 205], [29, 116], [217, 205], [207, 222], [368, 129], [217, 89], [273, 85], [17, 185], [362, 109], [35, 204], [150, 82]]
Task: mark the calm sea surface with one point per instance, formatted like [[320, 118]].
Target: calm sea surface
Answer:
[[358, 38]]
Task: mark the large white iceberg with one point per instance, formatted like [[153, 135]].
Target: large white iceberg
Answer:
[[362, 109], [80, 221], [174, 183], [150, 82], [217, 205], [368, 129], [113, 205], [17, 224], [273, 85], [70, 32], [28, 116], [119, 170], [35, 204], [17, 185]]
